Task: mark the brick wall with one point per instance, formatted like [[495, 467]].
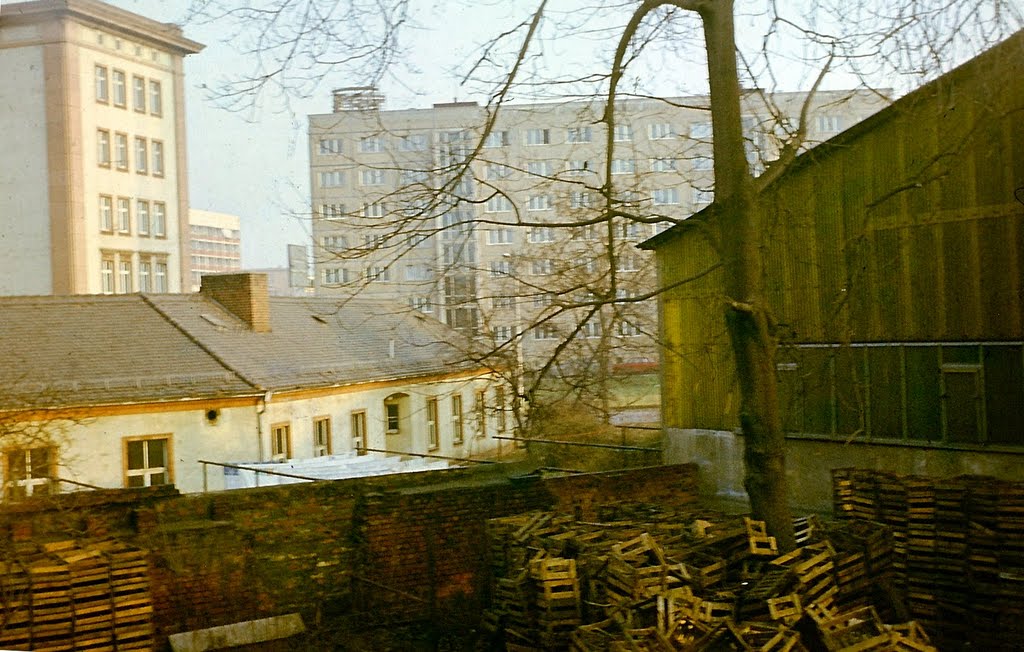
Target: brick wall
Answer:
[[244, 294], [412, 546]]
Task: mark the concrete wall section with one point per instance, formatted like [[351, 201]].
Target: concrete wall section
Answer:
[[809, 463], [24, 199]]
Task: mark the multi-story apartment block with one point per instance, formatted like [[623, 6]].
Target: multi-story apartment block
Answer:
[[93, 194], [215, 244], [518, 225]]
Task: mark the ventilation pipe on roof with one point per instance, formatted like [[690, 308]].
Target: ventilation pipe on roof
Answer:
[[391, 348]]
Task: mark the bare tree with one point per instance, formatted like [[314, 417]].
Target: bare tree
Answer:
[[862, 43]]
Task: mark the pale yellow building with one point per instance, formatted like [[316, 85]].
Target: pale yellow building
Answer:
[[93, 192]]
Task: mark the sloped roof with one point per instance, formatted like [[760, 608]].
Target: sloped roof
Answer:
[[85, 350], [320, 341], [108, 350]]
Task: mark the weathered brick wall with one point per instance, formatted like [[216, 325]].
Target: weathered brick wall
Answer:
[[413, 545]]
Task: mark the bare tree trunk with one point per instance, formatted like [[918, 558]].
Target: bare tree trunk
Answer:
[[746, 311]]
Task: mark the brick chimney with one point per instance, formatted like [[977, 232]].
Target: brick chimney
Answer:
[[244, 295]]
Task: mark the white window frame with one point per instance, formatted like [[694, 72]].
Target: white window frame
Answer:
[[321, 436], [662, 131], [537, 136], [579, 135], [622, 133], [147, 472]]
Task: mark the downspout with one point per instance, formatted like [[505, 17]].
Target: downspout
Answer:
[[261, 407]]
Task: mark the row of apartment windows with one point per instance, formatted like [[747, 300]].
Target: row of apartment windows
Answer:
[[112, 88], [547, 266], [659, 197], [227, 249], [149, 153], [214, 263], [116, 216], [123, 272], [213, 232], [588, 330]]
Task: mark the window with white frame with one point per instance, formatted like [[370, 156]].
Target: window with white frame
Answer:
[[580, 199], [142, 216], [579, 134], [585, 232], [413, 143], [495, 171], [543, 299], [29, 472], [102, 85], [330, 145], [332, 179], [542, 234], [501, 268], [497, 138], [538, 136], [106, 213], [107, 274], [630, 230], [103, 148], [357, 427], [280, 442], [321, 436], [332, 211], [145, 276], [159, 219], [623, 166], [576, 168], [499, 235], [664, 165], [141, 155], [457, 434], [497, 204], [392, 417], [703, 163], [157, 148], [121, 151], [623, 133], [538, 203], [830, 124], [433, 427], [374, 209], [665, 196], [502, 334], [371, 144], [139, 93], [160, 276], [418, 272], [542, 267], [627, 328], [503, 302], [661, 131], [700, 130], [378, 273], [702, 196], [585, 264], [124, 215], [124, 276], [481, 413], [423, 304], [545, 332], [335, 242], [156, 98], [120, 89], [334, 275], [371, 177], [541, 168], [590, 329], [147, 461]]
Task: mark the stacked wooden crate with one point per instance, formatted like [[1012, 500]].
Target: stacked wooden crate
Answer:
[[69, 595], [674, 582], [958, 553]]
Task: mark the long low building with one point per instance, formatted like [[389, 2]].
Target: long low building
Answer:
[[137, 390]]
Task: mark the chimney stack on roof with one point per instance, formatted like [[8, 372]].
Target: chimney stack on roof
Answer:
[[244, 295]]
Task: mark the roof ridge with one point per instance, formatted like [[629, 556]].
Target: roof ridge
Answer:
[[195, 340]]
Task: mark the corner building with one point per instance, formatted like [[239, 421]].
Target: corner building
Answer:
[[94, 196], [502, 233]]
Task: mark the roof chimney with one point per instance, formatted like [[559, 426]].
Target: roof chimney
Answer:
[[244, 295]]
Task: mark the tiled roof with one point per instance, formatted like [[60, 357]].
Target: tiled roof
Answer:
[[87, 350], [101, 350]]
